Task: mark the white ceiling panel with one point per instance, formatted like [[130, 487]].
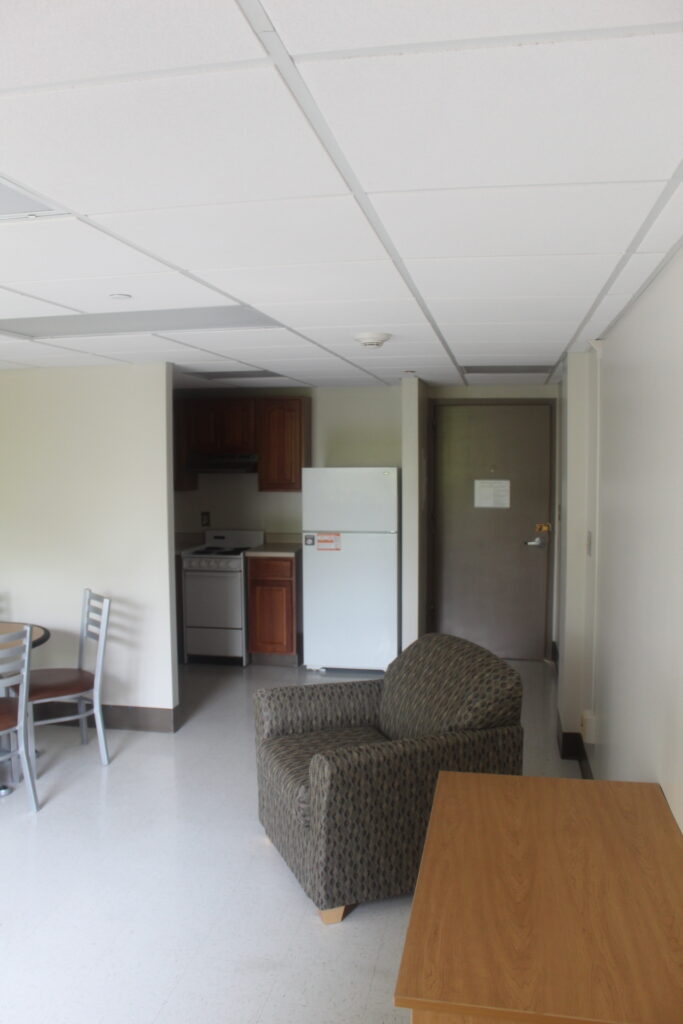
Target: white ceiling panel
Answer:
[[635, 273], [609, 308], [512, 334], [316, 282], [401, 334], [482, 277], [120, 343], [489, 357], [270, 338], [160, 142], [126, 37], [506, 116], [41, 249], [35, 354], [667, 230], [558, 220], [14, 305], [520, 309], [281, 232], [146, 291], [362, 23], [301, 315]]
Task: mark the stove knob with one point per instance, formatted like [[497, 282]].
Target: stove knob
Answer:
[[214, 563], [203, 563]]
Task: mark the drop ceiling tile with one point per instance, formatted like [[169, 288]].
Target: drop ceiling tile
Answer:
[[363, 23], [38, 250], [667, 230], [166, 141], [610, 307], [482, 277], [270, 338], [543, 356], [314, 314], [312, 282], [147, 291], [35, 354], [81, 39], [520, 309], [13, 305], [635, 273], [513, 334], [121, 343], [335, 337], [603, 110], [554, 220], [279, 232]]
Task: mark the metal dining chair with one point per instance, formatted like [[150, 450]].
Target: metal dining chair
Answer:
[[79, 685], [15, 661]]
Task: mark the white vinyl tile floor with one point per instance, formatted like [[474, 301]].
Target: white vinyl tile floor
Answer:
[[147, 893]]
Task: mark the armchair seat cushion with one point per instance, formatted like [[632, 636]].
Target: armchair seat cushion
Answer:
[[285, 762]]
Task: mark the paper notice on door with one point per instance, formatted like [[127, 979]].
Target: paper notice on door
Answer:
[[328, 541], [492, 494]]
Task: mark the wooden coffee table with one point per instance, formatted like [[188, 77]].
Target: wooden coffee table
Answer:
[[553, 901]]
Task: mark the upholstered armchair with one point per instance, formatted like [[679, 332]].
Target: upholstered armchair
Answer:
[[346, 771]]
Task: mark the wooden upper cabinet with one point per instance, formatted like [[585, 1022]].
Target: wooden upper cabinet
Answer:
[[284, 441], [221, 426]]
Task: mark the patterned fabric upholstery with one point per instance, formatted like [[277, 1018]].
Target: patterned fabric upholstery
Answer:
[[441, 683], [347, 805], [286, 761]]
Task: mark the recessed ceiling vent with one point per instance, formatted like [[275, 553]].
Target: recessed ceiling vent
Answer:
[[231, 374], [15, 204]]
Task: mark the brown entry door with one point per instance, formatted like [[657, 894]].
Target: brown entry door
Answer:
[[492, 490]]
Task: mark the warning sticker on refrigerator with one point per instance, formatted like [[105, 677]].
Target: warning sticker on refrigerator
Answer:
[[328, 542]]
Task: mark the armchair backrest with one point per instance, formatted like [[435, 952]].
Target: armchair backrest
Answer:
[[442, 683]]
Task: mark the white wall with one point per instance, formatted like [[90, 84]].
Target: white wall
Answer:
[[638, 687], [414, 442], [578, 538], [234, 501], [84, 459]]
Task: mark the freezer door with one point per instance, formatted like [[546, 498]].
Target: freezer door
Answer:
[[350, 600], [361, 499]]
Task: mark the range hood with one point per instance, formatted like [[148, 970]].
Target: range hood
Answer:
[[226, 463]]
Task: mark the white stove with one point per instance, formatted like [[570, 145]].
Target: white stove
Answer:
[[214, 598]]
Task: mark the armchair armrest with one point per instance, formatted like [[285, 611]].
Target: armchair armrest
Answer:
[[293, 709], [370, 805]]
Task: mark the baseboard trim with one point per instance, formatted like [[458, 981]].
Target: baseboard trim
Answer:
[[141, 719], [572, 748]]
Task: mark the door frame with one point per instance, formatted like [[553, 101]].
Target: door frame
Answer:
[[550, 647]]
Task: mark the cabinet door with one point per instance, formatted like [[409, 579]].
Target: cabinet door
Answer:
[[271, 617], [234, 427], [283, 442]]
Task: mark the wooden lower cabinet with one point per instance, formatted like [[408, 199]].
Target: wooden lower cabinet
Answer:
[[271, 600]]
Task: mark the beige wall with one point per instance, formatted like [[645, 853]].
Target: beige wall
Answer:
[[638, 689], [84, 461], [357, 426]]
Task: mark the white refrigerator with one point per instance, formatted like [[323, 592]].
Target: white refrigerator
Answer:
[[350, 567]]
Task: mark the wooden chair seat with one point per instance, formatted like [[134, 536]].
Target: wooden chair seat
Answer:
[[8, 713], [50, 683]]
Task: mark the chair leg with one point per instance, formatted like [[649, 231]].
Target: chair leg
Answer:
[[31, 737], [334, 915], [101, 735], [83, 722], [27, 769]]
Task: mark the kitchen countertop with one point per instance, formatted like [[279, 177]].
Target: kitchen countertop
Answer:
[[274, 550]]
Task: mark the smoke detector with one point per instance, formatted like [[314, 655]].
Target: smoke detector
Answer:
[[372, 339]]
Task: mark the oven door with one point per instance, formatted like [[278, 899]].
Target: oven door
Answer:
[[213, 600]]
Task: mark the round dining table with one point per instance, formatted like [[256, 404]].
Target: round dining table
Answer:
[[39, 635]]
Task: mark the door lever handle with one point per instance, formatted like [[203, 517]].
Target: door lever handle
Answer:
[[537, 542]]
